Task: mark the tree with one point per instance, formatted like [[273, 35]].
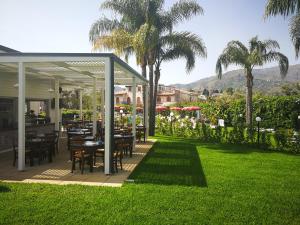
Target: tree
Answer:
[[120, 34], [173, 45], [205, 92], [229, 91], [258, 53], [145, 29], [286, 8]]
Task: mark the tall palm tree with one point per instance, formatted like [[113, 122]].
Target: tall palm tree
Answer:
[[258, 53], [131, 16], [165, 21], [138, 30], [286, 8], [173, 46]]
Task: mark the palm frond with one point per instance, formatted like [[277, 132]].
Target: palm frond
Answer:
[[282, 7], [119, 40], [180, 11], [103, 26], [295, 33], [280, 58], [183, 39], [179, 52], [235, 53]]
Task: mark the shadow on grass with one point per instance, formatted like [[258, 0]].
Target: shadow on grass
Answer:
[[4, 188], [171, 163]]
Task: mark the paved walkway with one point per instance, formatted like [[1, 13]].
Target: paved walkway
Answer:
[[59, 171]]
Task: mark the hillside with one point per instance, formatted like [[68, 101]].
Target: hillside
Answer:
[[265, 80]]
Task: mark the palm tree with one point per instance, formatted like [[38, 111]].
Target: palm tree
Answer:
[[258, 53], [108, 32], [138, 31], [173, 46], [170, 45], [286, 8]]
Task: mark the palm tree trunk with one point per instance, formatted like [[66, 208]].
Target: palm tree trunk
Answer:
[[152, 107], [144, 74], [249, 99], [156, 79]]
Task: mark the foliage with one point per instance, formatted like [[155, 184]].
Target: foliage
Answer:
[[277, 112], [286, 8]]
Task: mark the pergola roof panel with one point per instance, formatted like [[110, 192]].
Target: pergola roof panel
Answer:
[[79, 68]]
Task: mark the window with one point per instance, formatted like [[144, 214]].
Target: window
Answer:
[[139, 89], [138, 100], [128, 100], [117, 100], [168, 99], [129, 89], [158, 100]]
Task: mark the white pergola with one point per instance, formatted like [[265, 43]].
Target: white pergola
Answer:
[[95, 71]]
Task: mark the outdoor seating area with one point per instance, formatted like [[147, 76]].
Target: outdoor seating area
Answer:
[[86, 166]]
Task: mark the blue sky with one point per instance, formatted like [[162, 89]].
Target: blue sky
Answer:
[[63, 26]]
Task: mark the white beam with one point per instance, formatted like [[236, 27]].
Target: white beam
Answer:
[[94, 108], [102, 106], [146, 104], [134, 112], [21, 118], [109, 115], [80, 104], [57, 110]]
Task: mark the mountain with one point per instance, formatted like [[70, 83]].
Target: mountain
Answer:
[[266, 80]]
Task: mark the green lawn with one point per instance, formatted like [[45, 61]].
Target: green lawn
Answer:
[[179, 181]]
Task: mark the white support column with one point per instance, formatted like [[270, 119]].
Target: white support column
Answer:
[[109, 115], [134, 112], [57, 110], [94, 108], [21, 118], [146, 110], [80, 104], [102, 106]]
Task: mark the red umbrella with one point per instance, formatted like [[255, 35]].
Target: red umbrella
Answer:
[[186, 109], [161, 108], [175, 108], [191, 108], [194, 108]]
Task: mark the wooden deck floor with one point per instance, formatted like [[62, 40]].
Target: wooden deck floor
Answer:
[[59, 171]]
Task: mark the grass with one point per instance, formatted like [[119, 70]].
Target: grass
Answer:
[[179, 181]]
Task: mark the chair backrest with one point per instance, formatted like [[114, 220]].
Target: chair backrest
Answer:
[[76, 143], [118, 145], [30, 134]]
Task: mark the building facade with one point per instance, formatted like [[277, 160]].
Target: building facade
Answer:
[[124, 96], [166, 95]]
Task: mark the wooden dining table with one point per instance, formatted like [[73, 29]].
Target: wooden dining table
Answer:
[[90, 147]]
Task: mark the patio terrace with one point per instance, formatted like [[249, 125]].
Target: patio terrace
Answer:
[[59, 171]]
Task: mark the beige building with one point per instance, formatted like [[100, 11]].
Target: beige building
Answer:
[[125, 96], [168, 95]]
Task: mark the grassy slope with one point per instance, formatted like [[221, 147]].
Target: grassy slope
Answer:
[[180, 181]]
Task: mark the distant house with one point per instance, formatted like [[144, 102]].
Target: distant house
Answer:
[[124, 96], [168, 95]]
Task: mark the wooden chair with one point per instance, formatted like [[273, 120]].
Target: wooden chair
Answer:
[[117, 155], [50, 143], [78, 153], [28, 155], [128, 145], [99, 153], [56, 132]]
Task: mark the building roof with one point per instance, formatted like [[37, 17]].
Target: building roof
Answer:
[[72, 69], [6, 49]]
